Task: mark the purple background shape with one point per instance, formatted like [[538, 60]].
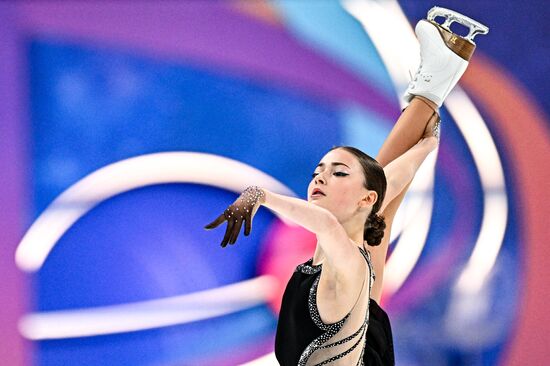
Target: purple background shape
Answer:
[[209, 33], [12, 178]]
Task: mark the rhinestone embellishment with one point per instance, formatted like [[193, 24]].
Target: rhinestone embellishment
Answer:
[[308, 268], [332, 329]]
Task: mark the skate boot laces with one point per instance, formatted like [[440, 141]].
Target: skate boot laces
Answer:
[[425, 76]]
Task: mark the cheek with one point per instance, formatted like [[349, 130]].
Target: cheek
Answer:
[[344, 199]]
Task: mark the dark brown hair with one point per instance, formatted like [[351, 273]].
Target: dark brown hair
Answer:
[[375, 180]]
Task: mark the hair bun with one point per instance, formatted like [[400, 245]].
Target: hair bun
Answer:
[[374, 229]]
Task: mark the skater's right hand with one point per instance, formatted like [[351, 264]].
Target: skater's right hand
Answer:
[[242, 210]]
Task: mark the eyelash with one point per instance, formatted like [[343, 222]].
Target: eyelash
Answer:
[[342, 174]]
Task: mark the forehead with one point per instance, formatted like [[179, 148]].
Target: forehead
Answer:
[[341, 156]]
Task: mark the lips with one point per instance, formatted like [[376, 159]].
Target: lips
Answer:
[[317, 192]]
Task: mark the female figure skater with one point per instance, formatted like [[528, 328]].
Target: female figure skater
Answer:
[[329, 311]]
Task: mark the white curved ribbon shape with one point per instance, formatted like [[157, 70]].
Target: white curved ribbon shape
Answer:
[[125, 175]]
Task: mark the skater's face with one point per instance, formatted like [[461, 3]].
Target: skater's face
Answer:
[[341, 179]]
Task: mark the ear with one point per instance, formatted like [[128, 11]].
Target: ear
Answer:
[[369, 199]]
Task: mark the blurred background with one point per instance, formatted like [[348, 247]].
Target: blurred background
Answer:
[[125, 127]]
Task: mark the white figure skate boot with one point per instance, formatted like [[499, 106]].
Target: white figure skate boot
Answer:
[[444, 55]]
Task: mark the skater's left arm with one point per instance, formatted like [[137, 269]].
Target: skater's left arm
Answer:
[[401, 171], [380, 251], [399, 174]]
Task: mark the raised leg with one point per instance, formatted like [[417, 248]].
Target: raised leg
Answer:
[[444, 58], [408, 129]]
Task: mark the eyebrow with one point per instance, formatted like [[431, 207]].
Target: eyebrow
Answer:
[[333, 164]]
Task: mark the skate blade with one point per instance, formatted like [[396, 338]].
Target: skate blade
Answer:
[[460, 46], [453, 16]]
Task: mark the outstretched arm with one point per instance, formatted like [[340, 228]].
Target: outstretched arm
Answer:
[[340, 253]]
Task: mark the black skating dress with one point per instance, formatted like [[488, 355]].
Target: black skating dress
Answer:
[[362, 337]]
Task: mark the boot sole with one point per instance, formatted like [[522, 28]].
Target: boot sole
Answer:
[[454, 42]]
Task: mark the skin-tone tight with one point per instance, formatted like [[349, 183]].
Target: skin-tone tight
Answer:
[[407, 131]]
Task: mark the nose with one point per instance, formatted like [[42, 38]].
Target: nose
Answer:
[[319, 179]]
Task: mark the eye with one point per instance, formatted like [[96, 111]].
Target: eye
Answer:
[[338, 174]]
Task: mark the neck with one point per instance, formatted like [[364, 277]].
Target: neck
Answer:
[[355, 232]]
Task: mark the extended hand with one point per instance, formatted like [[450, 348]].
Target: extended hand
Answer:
[[242, 210]]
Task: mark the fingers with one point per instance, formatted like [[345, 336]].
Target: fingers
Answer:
[[216, 222], [228, 232], [236, 230], [233, 228]]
